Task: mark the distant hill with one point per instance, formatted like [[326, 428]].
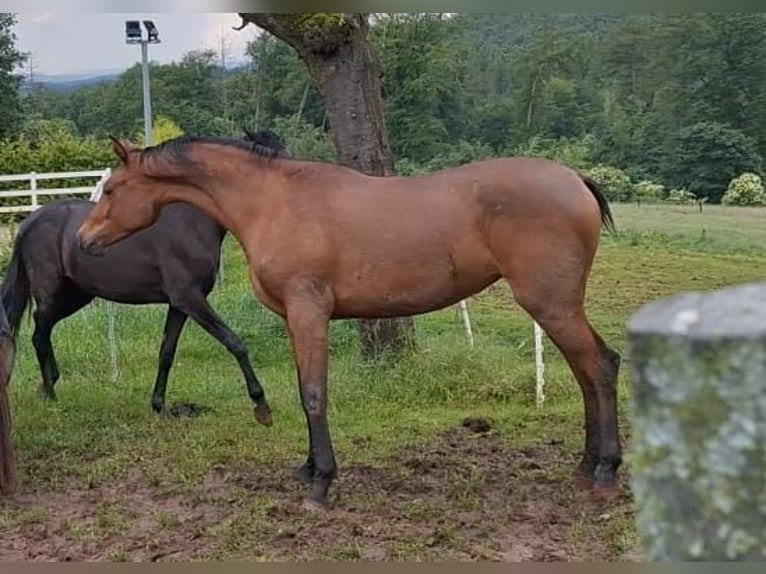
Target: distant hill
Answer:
[[70, 82]]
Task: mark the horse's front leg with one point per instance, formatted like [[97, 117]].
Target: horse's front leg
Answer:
[[308, 324]]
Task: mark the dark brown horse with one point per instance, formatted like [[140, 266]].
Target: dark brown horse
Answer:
[[326, 242]]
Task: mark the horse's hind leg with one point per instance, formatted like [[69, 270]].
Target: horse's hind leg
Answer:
[[198, 308], [48, 312], [174, 324], [41, 340], [552, 292]]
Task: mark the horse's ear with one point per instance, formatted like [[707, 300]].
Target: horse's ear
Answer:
[[249, 134], [119, 149]]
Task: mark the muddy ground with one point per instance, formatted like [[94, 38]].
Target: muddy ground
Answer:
[[468, 495]]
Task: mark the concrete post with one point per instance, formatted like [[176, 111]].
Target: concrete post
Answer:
[[698, 455]]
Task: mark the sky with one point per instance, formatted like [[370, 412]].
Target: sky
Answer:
[[72, 43]]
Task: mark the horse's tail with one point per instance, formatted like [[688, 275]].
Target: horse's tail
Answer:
[[15, 290], [7, 455], [606, 213]]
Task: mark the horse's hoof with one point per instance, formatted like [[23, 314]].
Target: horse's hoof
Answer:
[[164, 414], [45, 393], [317, 505], [606, 492], [303, 474], [263, 415], [583, 480]]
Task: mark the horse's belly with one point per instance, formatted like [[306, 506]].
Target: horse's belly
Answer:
[[412, 290]]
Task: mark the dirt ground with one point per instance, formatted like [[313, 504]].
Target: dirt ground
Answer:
[[465, 496]]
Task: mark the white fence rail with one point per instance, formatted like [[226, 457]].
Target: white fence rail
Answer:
[[94, 192], [34, 192]]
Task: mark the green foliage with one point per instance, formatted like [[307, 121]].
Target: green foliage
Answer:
[[615, 182], [305, 140], [747, 189], [706, 156], [50, 146], [649, 191], [576, 153], [421, 65], [163, 129], [681, 197], [460, 153], [10, 58]]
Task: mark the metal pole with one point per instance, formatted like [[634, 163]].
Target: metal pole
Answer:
[[148, 139]]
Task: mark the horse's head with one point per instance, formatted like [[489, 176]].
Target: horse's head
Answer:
[[130, 200]]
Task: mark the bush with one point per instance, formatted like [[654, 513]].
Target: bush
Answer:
[[163, 129], [747, 189], [615, 183], [50, 146], [649, 191], [682, 197]]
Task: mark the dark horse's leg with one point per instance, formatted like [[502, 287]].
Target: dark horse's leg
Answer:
[[49, 312], [308, 325], [174, 324], [203, 314]]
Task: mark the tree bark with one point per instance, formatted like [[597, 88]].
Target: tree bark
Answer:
[[342, 62]]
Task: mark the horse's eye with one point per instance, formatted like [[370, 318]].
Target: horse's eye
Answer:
[[106, 191]]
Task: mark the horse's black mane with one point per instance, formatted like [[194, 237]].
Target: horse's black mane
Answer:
[[264, 143]]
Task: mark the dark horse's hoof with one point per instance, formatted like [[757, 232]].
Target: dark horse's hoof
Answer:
[[303, 474], [46, 393], [583, 480], [606, 491], [263, 415], [189, 410], [313, 504]]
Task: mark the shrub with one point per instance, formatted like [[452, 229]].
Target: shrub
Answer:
[[747, 189], [649, 191], [615, 183], [682, 197]]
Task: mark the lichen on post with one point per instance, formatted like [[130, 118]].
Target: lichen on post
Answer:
[[698, 455]]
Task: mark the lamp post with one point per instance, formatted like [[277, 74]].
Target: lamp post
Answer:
[[134, 35]]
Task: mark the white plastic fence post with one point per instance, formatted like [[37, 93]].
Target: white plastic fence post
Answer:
[[466, 321], [539, 365], [33, 190], [110, 310]]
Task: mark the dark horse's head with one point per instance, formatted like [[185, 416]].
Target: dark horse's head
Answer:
[[267, 142]]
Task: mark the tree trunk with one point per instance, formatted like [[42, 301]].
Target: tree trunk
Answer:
[[343, 64]]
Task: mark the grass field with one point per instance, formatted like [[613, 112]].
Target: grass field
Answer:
[[103, 478]]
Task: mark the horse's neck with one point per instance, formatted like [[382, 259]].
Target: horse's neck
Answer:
[[221, 194]]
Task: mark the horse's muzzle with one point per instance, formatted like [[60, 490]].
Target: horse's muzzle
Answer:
[[92, 247]]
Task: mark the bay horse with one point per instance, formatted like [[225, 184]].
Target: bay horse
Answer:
[[326, 242], [174, 261]]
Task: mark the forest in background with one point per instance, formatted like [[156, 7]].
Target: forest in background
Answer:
[[656, 107]]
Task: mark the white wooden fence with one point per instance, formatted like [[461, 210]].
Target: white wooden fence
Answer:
[[34, 191], [94, 192]]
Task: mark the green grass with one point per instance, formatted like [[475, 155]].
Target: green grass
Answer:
[[98, 432]]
